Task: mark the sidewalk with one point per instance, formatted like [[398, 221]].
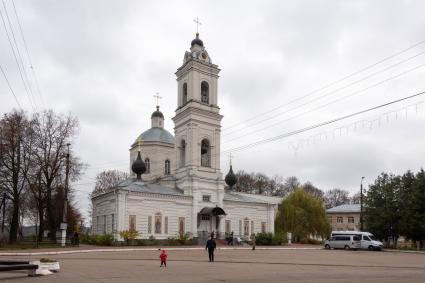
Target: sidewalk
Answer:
[[97, 249]]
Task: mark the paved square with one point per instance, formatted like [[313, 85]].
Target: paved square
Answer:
[[234, 266]]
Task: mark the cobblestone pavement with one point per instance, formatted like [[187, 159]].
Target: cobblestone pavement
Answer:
[[233, 266]]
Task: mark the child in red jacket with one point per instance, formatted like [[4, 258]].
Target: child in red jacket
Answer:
[[163, 257]]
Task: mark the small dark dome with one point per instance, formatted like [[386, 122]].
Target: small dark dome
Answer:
[[157, 113], [138, 166], [231, 178], [197, 40]]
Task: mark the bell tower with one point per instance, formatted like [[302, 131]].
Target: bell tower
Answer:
[[197, 121]]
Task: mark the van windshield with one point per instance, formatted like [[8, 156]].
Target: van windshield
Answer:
[[372, 238]]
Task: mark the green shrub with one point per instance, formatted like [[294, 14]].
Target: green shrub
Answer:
[[277, 239], [98, 240], [264, 239], [129, 235]]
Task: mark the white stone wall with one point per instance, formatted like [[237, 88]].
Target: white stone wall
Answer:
[[144, 205], [103, 208], [157, 154], [257, 212]]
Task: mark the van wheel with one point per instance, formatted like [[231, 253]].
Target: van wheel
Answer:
[[346, 247], [327, 247], [370, 248]]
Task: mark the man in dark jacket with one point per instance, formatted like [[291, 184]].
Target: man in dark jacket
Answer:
[[210, 247]]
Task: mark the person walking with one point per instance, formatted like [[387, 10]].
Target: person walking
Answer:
[[211, 246], [163, 257], [253, 241], [76, 239]]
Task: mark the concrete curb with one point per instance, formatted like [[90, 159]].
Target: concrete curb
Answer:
[[147, 249]]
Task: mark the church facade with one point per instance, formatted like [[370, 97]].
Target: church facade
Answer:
[[176, 185]]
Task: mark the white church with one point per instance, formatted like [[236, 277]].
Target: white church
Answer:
[[176, 184]]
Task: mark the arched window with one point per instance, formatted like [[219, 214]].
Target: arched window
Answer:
[[158, 223], [148, 165], [205, 153], [167, 167], [184, 100], [182, 153], [205, 92]]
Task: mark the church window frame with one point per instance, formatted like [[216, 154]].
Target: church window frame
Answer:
[[104, 224], [246, 227], [205, 92], [98, 224], [148, 165], [228, 226], [205, 153], [132, 223], [206, 198], [167, 167], [149, 224], [181, 225], [165, 224], [263, 227], [184, 93], [182, 153], [113, 223], [158, 223]]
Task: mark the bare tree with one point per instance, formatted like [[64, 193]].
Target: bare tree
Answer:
[[291, 183], [355, 198], [17, 146], [53, 133], [336, 197], [261, 183], [107, 179]]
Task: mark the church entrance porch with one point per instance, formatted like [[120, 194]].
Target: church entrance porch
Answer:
[[209, 219]]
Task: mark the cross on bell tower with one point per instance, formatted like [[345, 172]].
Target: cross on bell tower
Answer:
[[198, 23], [157, 100]]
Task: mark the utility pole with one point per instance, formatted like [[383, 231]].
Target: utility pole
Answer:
[[64, 224], [3, 204], [361, 204]]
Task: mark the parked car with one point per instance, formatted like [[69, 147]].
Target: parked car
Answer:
[[347, 242], [368, 241]]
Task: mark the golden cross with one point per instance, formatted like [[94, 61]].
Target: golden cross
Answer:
[[198, 23], [139, 143], [157, 98], [230, 158]]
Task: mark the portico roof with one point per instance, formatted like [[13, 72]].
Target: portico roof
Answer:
[[212, 210]]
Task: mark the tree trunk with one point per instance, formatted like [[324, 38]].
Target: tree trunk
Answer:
[[50, 216], [40, 224], [13, 234]]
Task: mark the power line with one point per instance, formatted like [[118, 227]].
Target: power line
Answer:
[[28, 54], [329, 85], [330, 93], [10, 87], [329, 103], [19, 54], [285, 135], [16, 59]]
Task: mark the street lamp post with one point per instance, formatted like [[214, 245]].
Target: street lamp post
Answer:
[[64, 224], [361, 204]]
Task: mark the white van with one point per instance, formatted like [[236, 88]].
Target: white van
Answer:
[[346, 242], [368, 241]]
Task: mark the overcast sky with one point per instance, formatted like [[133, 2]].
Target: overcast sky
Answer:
[[104, 60]]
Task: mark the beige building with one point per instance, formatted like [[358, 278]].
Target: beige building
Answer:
[[345, 217]]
